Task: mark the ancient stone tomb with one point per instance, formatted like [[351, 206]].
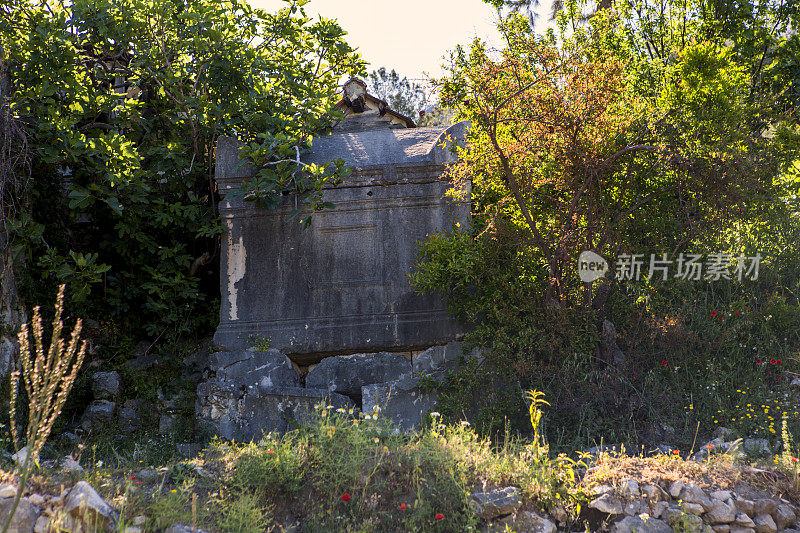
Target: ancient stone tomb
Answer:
[[340, 286]]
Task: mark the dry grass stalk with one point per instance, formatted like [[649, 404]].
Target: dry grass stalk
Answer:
[[47, 376]]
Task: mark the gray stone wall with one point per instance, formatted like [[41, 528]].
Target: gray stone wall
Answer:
[[341, 286]]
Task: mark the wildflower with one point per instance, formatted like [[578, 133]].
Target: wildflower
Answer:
[[139, 482], [713, 313], [329, 407], [758, 361], [402, 507], [439, 516], [133, 477], [434, 414], [780, 362], [773, 361], [736, 312], [676, 452], [464, 423], [270, 450], [345, 497], [710, 447], [377, 440], [663, 362], [795, 459]]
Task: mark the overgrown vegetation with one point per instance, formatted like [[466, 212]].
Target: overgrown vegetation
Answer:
[[648, 129], [121, 104]]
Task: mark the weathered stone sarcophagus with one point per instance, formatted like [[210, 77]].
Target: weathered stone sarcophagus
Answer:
[[341, 285]]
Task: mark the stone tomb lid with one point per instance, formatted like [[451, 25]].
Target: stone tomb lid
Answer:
[[381, 147]]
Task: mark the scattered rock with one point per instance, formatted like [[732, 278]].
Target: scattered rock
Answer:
[[608, 504], [438, 359], [403, 401], [7, 490], [742, 520], [20, 456], [756, 447], [268, 368], [68, 464], [347, 374], [636, 524], [745, 505], [765, 506], [25, 516], [784, 516], [721, 495], [85, 503], [36, 499], [228, 411], [634, 508], [693, 508], [530, 522], [654, 493], [146, 474], [105, 385], [720, 513], [765, 524], [128, 420], [99, 412], [42, 525], [694, 494], [676, 488], [630, 488], [497, 502], [166, 423]]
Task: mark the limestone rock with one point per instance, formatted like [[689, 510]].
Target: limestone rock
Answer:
[[497, 502], [784, 516], [268, 368], [693, 508], [720, 513], [166, 423], [765, 506], [633, 508], [68, 464], [694, 494], [607, 503], [439, 359], [745, 505], [530, 522], [7, 350], [741, 529], [105, 385], [636, 524], [654, 493], [630, 488], [742, 520], [25, 516], [7, 490], [99, 412], [658, 508], [231, 413], [42, 525], [765, 524], [676, 488], [402, 400], [347, 374], [756, 447], [128, 420], [85, 503]]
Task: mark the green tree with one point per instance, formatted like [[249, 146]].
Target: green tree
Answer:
[[403, 95], [122, 102]]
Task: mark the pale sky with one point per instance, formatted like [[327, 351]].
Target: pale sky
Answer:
[[411, 36]]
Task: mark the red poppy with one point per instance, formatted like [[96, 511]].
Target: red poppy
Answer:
[[676, 452], [270, 450], [758, 361], [710, 446], [713, 313], [721, 319], [402, 507], [345, 497], [773, 361], [139, 482], [439, 516], [133, 477], [736, 312], [780, 362], [663, 362], [795, 459]]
